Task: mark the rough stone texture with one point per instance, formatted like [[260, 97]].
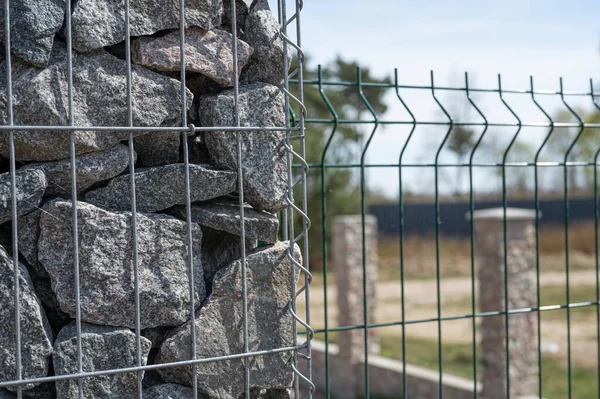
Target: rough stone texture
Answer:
[[520, 236], [263, 155], [30, 186], [33, 24], [43, 288], [219, 320], [157, 148], [36, 334], [103, 348], [262, 33], [90, 168], [225, 215], [207, 52], [29, 233], [164, 186], [156, 335], [168, 391], [100, 23], [40, 98], [219, 249], [42, 391], [242, 8], [347, 259], [106, 269]]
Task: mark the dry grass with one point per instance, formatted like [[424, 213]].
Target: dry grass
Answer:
[[454, 257]]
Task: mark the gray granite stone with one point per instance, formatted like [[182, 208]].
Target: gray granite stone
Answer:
[[264, 158], [30, 187], [33, 24], [242, 8], [100, 99], [106, 269], [162, 187], [157, 148], [103, 348], [28, 233], [43, 288], [168, 391], [101, 23], [36, 334], [225, 215], [262, 33], [90, 168], [219, 249], [219, 320], [42, 391], [209, 53]]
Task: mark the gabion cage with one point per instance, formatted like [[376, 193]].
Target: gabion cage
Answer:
[[152, 244]]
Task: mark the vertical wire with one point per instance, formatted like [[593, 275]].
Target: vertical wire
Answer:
[[134, 227], [13, 194], [290, 192], [596, 246], [305, 221], [74, 198], [188, 203], [566, 222], [537, 235], [401, 227], [240, 171], [363, 211], [505, 237], [472, 234], [437, 236], [282, 18], [335, 117]]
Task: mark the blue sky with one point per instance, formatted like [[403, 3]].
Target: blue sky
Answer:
[[546, 39]]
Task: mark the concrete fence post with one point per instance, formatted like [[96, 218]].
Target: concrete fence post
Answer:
[[518, 268], [347, 255]]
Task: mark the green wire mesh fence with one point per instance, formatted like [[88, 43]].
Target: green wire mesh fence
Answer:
[[525, 145]]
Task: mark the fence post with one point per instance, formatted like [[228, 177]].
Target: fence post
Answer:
[[348, 263], [520, 274]]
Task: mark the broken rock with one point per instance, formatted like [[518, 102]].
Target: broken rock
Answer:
[[162, 187], [269, 277], [36, 334], [207, 52], [264, 160], [106, 274], [103, 348]]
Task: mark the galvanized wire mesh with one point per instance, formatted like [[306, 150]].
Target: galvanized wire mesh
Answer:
[[511, 125], [290, 32]]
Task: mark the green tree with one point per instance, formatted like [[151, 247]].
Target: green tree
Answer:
[[340, 187]]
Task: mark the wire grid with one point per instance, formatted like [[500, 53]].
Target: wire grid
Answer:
[[373, 122], [300, 350]]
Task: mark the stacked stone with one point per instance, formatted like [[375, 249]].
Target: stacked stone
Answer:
[[107, 289]]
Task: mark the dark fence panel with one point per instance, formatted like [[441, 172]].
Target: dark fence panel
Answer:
[[420, 218]]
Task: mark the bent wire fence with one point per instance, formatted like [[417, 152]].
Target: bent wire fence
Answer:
[[290, 33], [562, 151]]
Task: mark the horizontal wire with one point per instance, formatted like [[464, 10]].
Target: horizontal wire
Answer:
[[453, 165], [459, 317], [446, 88], [173, 129], [150, 366], [447, 123]]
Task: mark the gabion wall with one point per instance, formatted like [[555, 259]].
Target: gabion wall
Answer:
[[98, 278]]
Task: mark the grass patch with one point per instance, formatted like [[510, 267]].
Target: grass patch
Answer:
[[457, 359]]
